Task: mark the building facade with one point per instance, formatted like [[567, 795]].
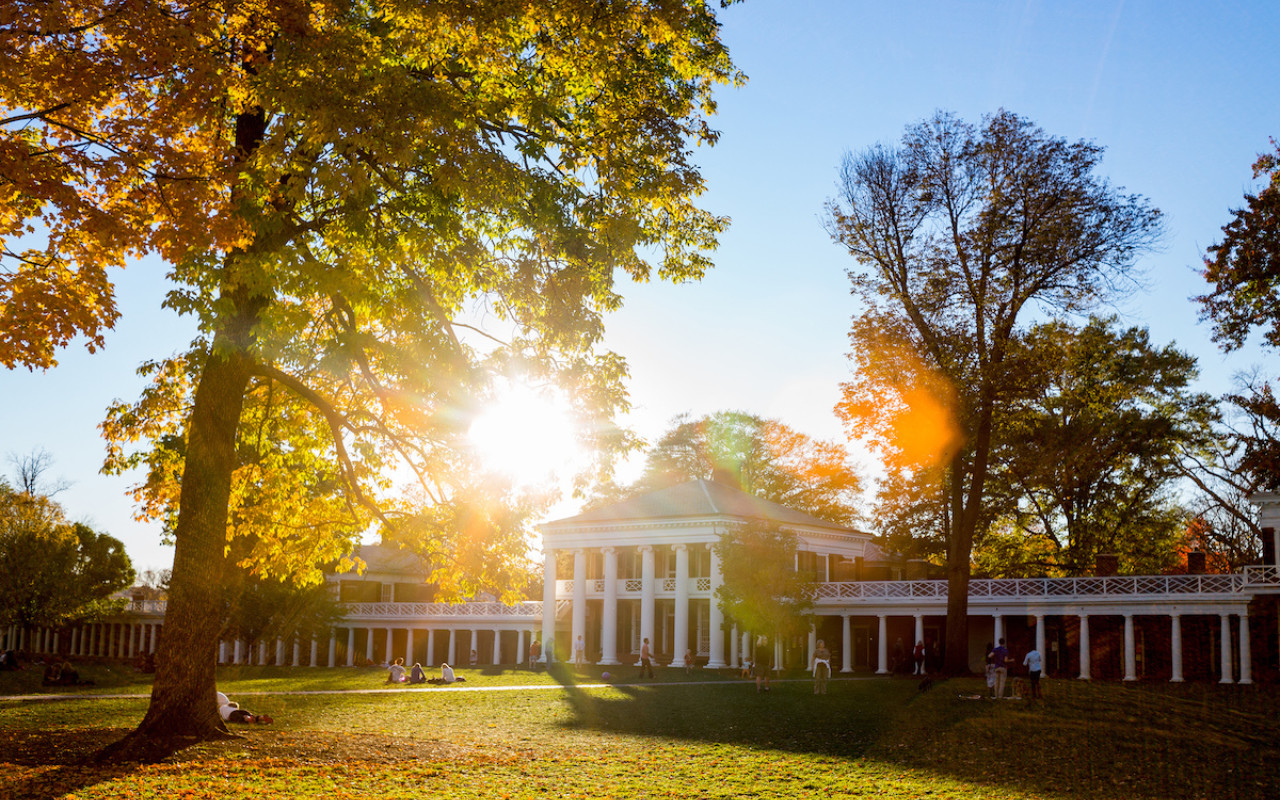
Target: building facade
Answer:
[[646, 568]]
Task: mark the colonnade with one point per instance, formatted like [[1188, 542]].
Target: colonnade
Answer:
[[1226, 653], [88, 640], [648, 602], [290, 653]]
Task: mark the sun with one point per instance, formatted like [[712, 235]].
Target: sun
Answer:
[[528, 435]]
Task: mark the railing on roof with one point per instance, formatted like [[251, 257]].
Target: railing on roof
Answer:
[[1262, 575], [531, 609], [1032, 588], [146, 606]]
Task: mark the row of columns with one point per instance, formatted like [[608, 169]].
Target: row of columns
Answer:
[[237, 651], [94, 639], [1130, 646], [648, 593]]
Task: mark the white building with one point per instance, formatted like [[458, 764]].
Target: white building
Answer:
[[645, 568]]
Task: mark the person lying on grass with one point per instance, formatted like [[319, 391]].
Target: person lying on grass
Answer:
[[232, 712]]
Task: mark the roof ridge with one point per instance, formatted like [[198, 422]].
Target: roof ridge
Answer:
[[714, 508]]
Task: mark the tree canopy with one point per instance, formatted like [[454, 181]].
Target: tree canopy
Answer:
[[761, 588], [373, 212], [961, 233], [1243, 271], [765, 457], [53, 571], [1090, 449]]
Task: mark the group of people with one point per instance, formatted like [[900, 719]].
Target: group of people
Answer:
[[416, 674], [998, 662], [62, 673]]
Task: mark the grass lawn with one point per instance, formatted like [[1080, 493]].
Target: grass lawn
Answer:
[[679, 736]]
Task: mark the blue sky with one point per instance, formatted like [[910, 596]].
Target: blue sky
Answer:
[[1182, 95]]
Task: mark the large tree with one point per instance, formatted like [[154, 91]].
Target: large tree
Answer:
[[1244, 273], [372, 210], [962, 233], [765, 457], [761, 589], [1090, 448], [53, 571]]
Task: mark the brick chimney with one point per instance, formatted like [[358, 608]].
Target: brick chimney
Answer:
[[1195, 562]]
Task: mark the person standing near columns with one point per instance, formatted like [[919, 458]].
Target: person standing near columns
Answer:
[[646, 656], [1032, 662], [1000, 657], [763, 659], [821, 667]]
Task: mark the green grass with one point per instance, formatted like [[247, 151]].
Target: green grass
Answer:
[[867, 738]]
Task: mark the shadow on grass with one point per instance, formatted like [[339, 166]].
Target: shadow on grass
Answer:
[[789, 717], [1082, 740], [59, 762]]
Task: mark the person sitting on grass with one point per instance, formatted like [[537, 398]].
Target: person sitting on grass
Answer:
[[446, 676], [232, 712], [417, 674], [396, 674]]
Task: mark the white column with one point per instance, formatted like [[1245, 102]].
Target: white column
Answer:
[[716, 621], [279, 652], [646, 594], [75, 637], [882, 651], [333, 647], [155, 633], [453, 648], [1084, 647], [408, 648], [262, 653], [497, 647], [475, 645], [1175, 648], [132, 644], [548, 601], [431, 647], [1224, 649], [368, 645], [391, 640], [579, 599], [812, 646], [522, 651], [1040, 638], [1246, 656], [609, 610], [237, 652], [682, 604], [846, 644], [734, 654], [222, 652], [297, 652], [351, 647], [315, 652], [997, 629], [748, 646], [1130, 656]]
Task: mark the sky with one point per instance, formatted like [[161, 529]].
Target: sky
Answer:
[[1183, 96]]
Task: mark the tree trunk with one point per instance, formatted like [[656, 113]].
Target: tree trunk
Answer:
[[959, 551], [183, 703]]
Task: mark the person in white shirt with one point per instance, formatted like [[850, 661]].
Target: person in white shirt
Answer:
[[579, 653], [446, 673], [1032, 663], [396, 674], [232, 712]]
